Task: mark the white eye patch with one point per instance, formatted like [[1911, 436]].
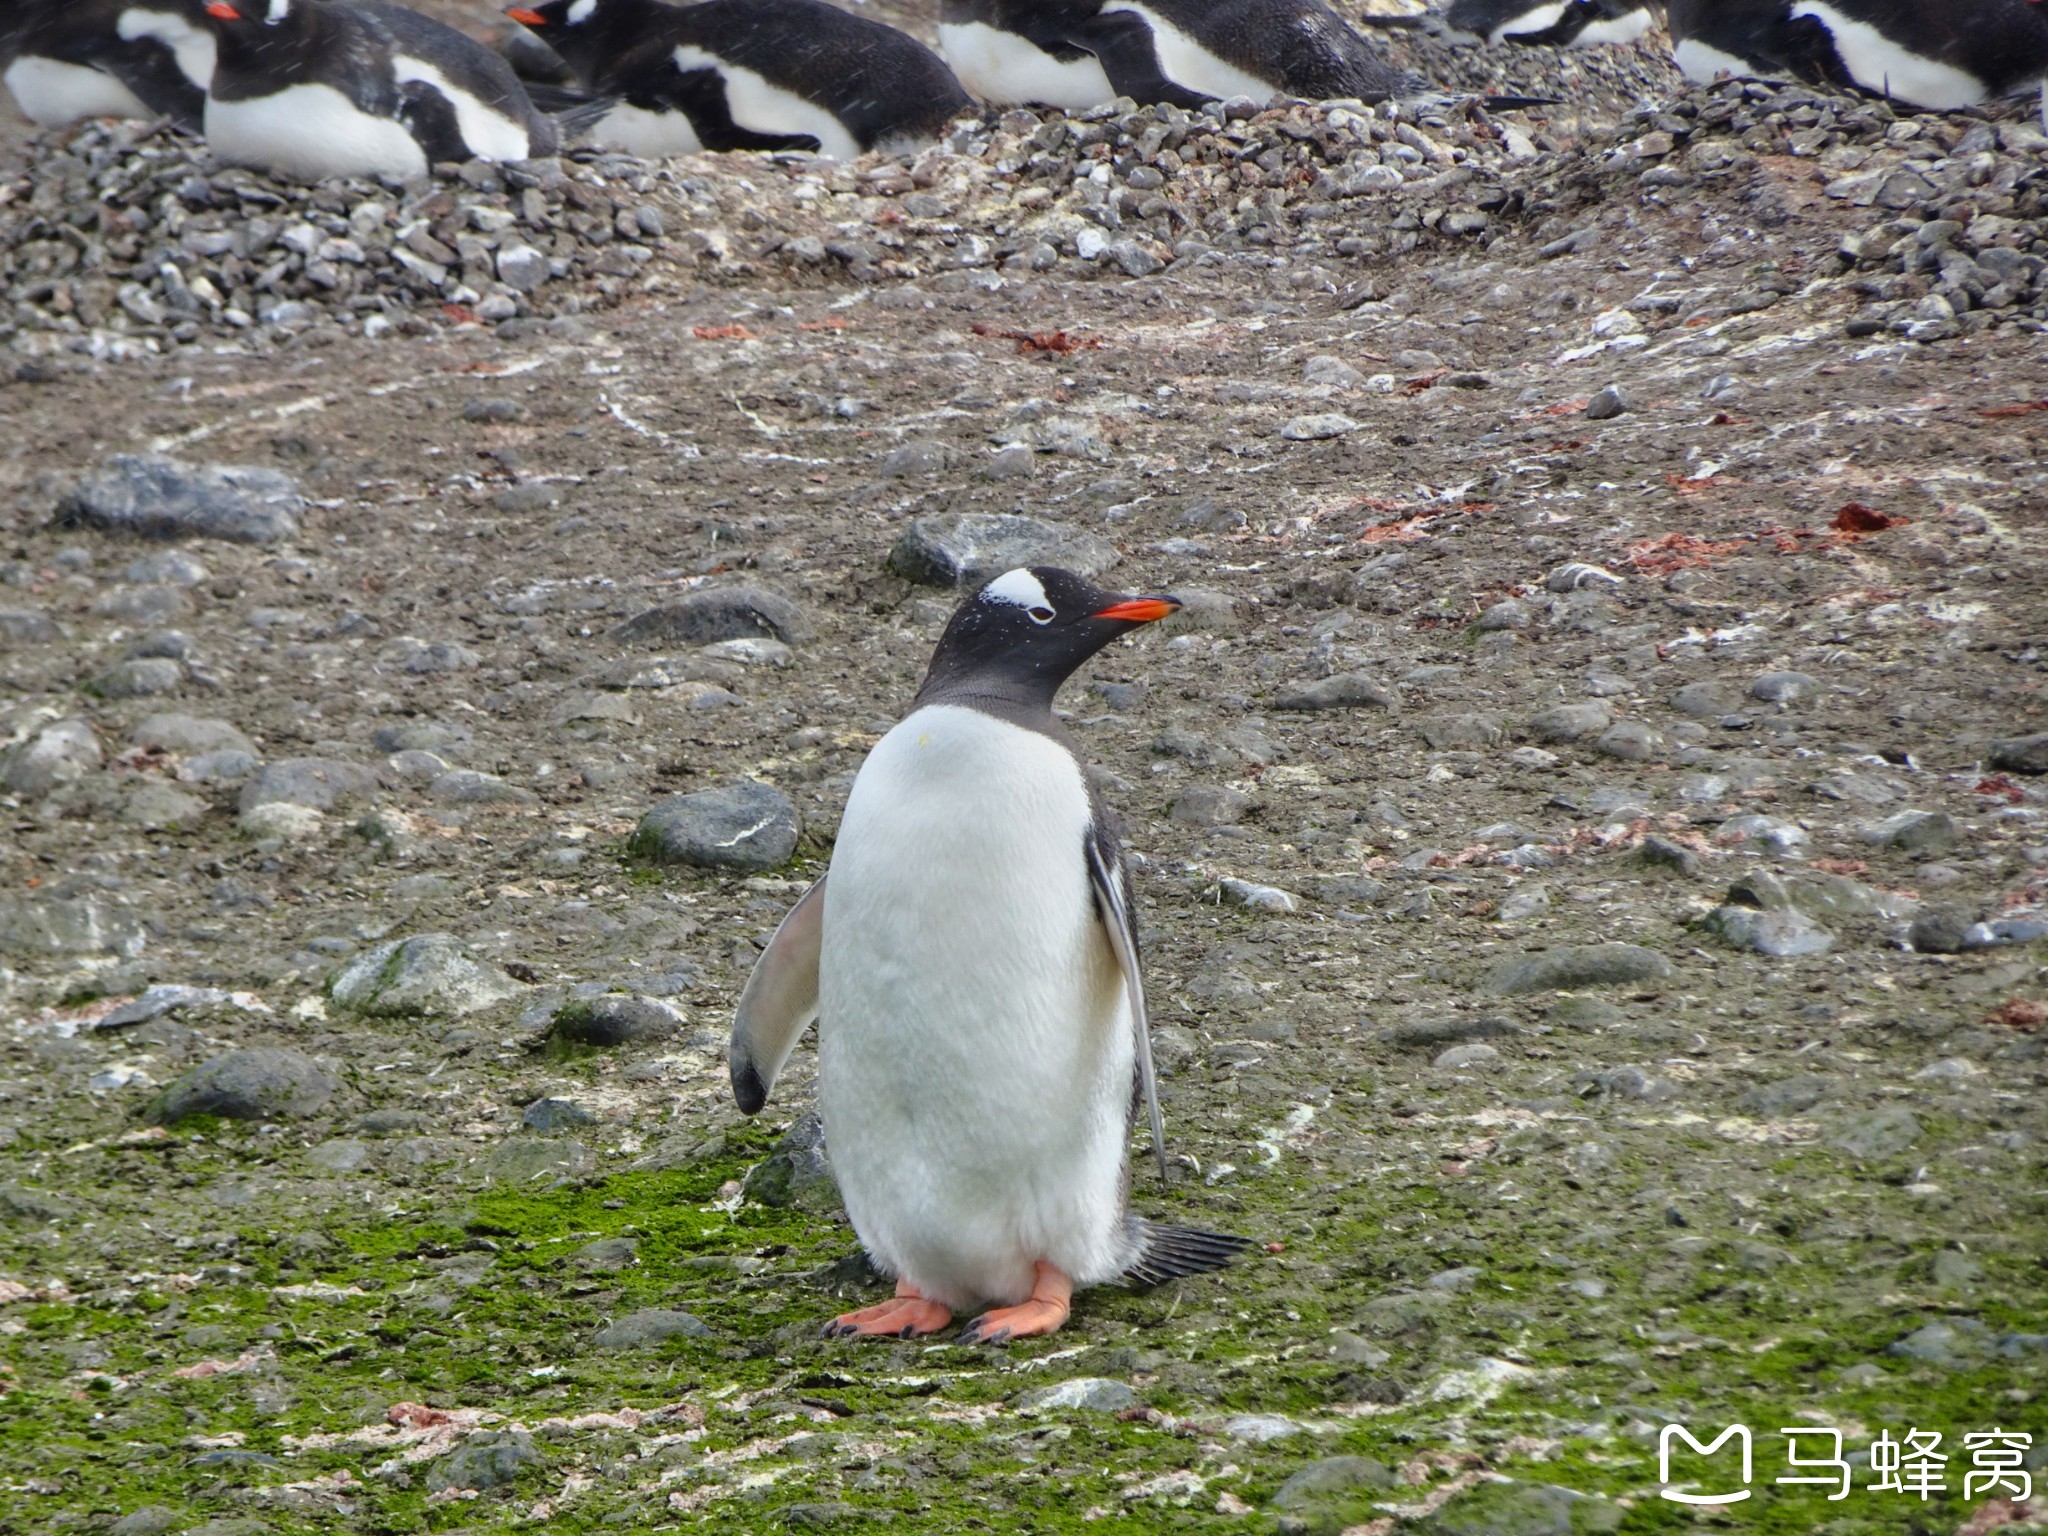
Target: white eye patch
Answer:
[[1023, 589], [582, 10], [279, 9]]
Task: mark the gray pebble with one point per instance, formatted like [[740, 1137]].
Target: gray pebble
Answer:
[[1607, 403], [1346, 690], [736, 612], [648, 1327], [1579, 965], [746, 825]]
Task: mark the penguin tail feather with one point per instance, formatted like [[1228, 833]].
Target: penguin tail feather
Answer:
[[1170, 1253]]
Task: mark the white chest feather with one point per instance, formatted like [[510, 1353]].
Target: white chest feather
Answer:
[[489, 133], [757, 103], [650, 135], [975, 1048], [311, 131], [1003, 68], [1185, 61], [1879, 64], [51, 92]]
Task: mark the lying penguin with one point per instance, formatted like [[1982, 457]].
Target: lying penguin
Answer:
[[749, 74], [1076, 54], [971, 959], [1552, 23], [316, 88], [69, 59], [1938, 57]]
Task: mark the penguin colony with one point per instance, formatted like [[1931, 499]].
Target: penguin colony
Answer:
[[316, 88]]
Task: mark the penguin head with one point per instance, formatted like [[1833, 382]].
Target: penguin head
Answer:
[[266, 13], [586, 33], [1024, 633]]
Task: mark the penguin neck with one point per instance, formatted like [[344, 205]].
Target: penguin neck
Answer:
[[1020, 699]]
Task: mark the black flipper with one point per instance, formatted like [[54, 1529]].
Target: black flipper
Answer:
[[430, 118], [1172, 1253], [1124, 45], [152, 73], [574, 111], [701, 95]]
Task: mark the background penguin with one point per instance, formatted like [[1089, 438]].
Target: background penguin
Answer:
[[1555, 23], [311, 88], [1938, 57], [1075, 54], [750, 74], [972, 962], [68, 59]]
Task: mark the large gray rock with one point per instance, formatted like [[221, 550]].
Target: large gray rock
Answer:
[[964, 549], [144, 677], [1579, 965], [161, 498], [797, 1174], [1332, 1481], [57, 754], [28, 626], [1781, 933], [1347, 690], [1522, 1509], [317, 783], [738, 612], [427, 974], [189, 735], [1571, 722], [262, 1083], [2019, 754], [487, 1461], [745, 825], [1878, 1133], [1922, 833], [648, 1327], [39, 927], [615, 1018], [1099, 1394]]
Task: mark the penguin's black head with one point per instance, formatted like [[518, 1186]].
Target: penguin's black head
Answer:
[[586, 33], [1023, 634]]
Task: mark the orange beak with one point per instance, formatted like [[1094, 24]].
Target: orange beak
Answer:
[[526, 16], [1140, 610], [220, 10]]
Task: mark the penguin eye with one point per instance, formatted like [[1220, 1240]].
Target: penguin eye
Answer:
[[1040, 614]]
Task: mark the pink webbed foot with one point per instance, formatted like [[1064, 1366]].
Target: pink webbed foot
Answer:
[[1052, 1296], [906, 1316]]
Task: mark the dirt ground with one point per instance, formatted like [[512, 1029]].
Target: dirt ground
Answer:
[[1640, 680]]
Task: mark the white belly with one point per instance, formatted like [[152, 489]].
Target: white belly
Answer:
[[1002, 68], [52, 93], [1705, 63], [311, 131], [1186, 62], [489, 133], [975, 1051], [759, 104], [1877, 63], [1615, 29], [650, 135]]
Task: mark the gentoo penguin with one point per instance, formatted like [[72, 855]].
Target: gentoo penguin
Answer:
[[972, 961], [1938, 57], [1555, 23], [68, 59], [315, 88], [1076, 54], [750, 74]]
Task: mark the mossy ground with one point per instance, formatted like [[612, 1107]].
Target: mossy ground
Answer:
[[481, 1298]]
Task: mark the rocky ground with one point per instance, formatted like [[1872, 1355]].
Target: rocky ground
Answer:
[[1590, 812]]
